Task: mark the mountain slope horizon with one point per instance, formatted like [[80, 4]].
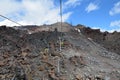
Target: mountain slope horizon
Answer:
[[34, 53]]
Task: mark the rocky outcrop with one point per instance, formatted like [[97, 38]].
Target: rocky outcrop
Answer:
[[37, 56], [111, 41]]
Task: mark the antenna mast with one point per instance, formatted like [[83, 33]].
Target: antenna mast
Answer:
[[61, 23], [61, 13]]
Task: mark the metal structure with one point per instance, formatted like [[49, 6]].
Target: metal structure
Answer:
[[61, 23]]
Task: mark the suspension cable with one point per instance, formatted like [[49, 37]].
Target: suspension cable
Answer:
[[11, 20]]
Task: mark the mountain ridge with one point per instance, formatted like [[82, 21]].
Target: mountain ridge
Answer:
[[34, 54]]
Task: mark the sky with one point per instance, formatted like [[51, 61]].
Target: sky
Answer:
[[103, 14]]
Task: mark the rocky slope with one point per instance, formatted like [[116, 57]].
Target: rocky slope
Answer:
[[111, 41], [35, 55]]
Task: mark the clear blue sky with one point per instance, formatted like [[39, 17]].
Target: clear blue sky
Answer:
[[103, 14], [99, 17]]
